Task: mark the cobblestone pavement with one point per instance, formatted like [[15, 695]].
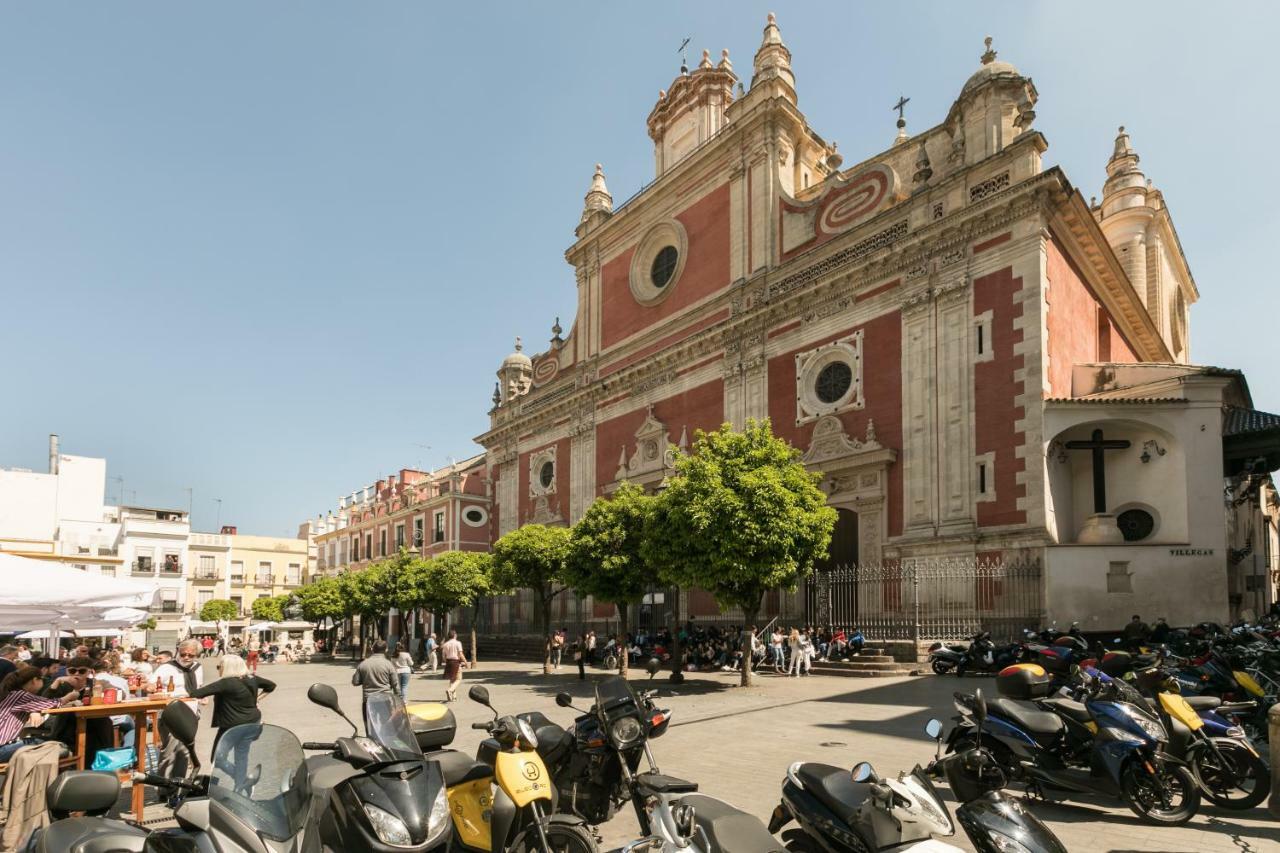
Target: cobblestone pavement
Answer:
[[738, 743]]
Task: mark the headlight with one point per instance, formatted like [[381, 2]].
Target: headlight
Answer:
[[626, 731], [929, 802], [438, 821], [389, 828], [1005, 844], [526, 733], [1150, 728]]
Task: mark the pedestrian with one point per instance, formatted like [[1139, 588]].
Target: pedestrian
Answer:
[[375, 674], [255, 651], [776, 655], [207, 645], [557, 649], [580, 656], [454, 661], [591, 647], [1136, 632], [795, 646], [186, 675], [235, 700], [432, 646], [404, 668]]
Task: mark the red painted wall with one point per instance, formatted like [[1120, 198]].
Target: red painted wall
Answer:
[[559, 500], [1073, 324], [701, 407], [995, 392], [881, 389], [706, 270]]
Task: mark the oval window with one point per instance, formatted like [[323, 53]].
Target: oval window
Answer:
[[546, 474], [664, 266], [474, 516], [833, 382], [1135, 524]]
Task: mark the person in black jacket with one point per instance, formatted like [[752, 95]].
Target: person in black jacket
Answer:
[[235, 697]]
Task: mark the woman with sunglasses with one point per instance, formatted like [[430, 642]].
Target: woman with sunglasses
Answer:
[[19, 699]]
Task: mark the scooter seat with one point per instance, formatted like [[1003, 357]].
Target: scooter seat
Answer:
[[458, 767], [1027, 716], [730, 830], [834, 787], [90, 835], [1069, 708], [1203, 703]]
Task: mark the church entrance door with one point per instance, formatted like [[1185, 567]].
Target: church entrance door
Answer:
[[843, 554]]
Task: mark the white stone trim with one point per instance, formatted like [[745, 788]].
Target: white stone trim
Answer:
[[847, 350], [484, 516], [536, 461], [668, 232]]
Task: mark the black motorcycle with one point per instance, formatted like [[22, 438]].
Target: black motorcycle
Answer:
[[980, 655], [377, 792]]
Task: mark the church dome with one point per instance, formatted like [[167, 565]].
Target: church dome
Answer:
[[518, 358], [991, 68]]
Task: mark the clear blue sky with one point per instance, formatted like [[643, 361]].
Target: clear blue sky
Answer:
[[264, 250]]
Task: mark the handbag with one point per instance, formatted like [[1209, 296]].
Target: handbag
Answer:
[[113, 760]]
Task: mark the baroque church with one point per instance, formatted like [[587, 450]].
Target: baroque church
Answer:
[[980, 363]]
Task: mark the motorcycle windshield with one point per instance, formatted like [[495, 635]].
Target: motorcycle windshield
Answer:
[[613, 694], [387, 723], [260, 776]]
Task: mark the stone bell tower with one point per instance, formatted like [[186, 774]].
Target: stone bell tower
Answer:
[[691, 111]]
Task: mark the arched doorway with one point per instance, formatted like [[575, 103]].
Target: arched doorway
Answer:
[[842, 554]]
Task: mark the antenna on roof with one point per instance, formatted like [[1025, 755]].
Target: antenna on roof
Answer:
[[684, 64]]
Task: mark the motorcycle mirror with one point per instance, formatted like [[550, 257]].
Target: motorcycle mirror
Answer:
[[181, 722], [325, 696], [863, 772], [479, 693], [564, 700], [933, 729], [653, 666]]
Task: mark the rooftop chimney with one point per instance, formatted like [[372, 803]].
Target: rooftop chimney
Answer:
[[228, 530], [53, 454]]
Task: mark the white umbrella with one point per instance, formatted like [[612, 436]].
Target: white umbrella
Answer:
[[258, 628], [78, 632], [30, 586]]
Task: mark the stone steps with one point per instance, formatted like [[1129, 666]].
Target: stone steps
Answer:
[[875, 666]]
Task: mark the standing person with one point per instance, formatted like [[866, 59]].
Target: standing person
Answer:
[[795, 646], [235, 697], [187, 675], [255, 650], [207, 645], [404, 668], [454, 661], [557, 649], [776, 655], [375, 674], [432, 647], [591, 647]]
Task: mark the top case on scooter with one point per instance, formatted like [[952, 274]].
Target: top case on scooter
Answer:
[[1024, 681], [433, 724]]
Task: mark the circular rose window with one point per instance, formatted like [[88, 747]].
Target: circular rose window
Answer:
[[833, 381], [664, 266], [1135, 524]]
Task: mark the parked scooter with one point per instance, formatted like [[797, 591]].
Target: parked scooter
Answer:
[[596, 768], [859, 812], [256, 797], [979, 655], [377, 792]]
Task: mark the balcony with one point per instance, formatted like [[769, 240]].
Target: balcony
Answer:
[[204, 573], [293, 580], [143, 567], [167, 607], [170, 568]]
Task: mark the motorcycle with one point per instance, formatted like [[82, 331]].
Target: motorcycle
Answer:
[[377, 792], [1126, 759], [596, 769], [860, 812], [257, 797], [980, 655], [519, 813]]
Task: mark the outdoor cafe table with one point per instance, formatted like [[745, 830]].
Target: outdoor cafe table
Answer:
[[136, 709]]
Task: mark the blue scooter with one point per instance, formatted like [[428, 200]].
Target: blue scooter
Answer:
[[1127, 760]]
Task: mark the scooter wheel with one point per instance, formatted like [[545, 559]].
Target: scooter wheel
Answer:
[[561, 838], [1143, 795], [941, 667], [1242, 781], [796, 841]]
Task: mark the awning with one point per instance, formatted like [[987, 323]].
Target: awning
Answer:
[[295, 625]]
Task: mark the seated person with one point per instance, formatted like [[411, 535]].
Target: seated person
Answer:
[[99, 733], [19, 701]]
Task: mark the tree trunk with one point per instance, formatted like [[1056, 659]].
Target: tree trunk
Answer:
[[544, 605], [475, 617], [624, 654], [748, 635]]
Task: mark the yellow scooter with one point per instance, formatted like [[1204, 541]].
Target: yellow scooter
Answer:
[[505, 799]]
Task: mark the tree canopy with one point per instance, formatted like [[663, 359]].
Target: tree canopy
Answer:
[[605, 558], [322, 600], [269, 608], [742, 516], [218, 609], [533, 557]]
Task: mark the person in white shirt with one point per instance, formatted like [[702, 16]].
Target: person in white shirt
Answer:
[[454, 661], [187, 675]]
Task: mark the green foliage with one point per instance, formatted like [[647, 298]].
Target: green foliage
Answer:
[[269, 608], [531, 557], [605, 558], [380, 586], [323, 600], [743, 516], [453, 579], [216, 609]]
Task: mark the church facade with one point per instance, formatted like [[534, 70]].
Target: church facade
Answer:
[[980, 362]]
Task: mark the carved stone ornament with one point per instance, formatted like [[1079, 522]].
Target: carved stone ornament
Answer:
[[544, 457], [652, 456], [544, 513], [830, 441]]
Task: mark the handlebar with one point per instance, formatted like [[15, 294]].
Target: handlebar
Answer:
[[164, 781], [328, 747], [484, 726]]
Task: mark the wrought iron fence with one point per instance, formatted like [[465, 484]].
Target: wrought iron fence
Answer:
[[931, 598]]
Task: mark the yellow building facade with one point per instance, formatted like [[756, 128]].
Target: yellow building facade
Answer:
[[242, 568]]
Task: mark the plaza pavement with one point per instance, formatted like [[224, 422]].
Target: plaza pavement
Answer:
[[738, 743]]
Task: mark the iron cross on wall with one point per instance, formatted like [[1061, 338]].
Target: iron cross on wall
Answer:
[[1099, 445]]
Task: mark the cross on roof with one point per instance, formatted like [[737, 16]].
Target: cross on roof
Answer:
[[901, 105]]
